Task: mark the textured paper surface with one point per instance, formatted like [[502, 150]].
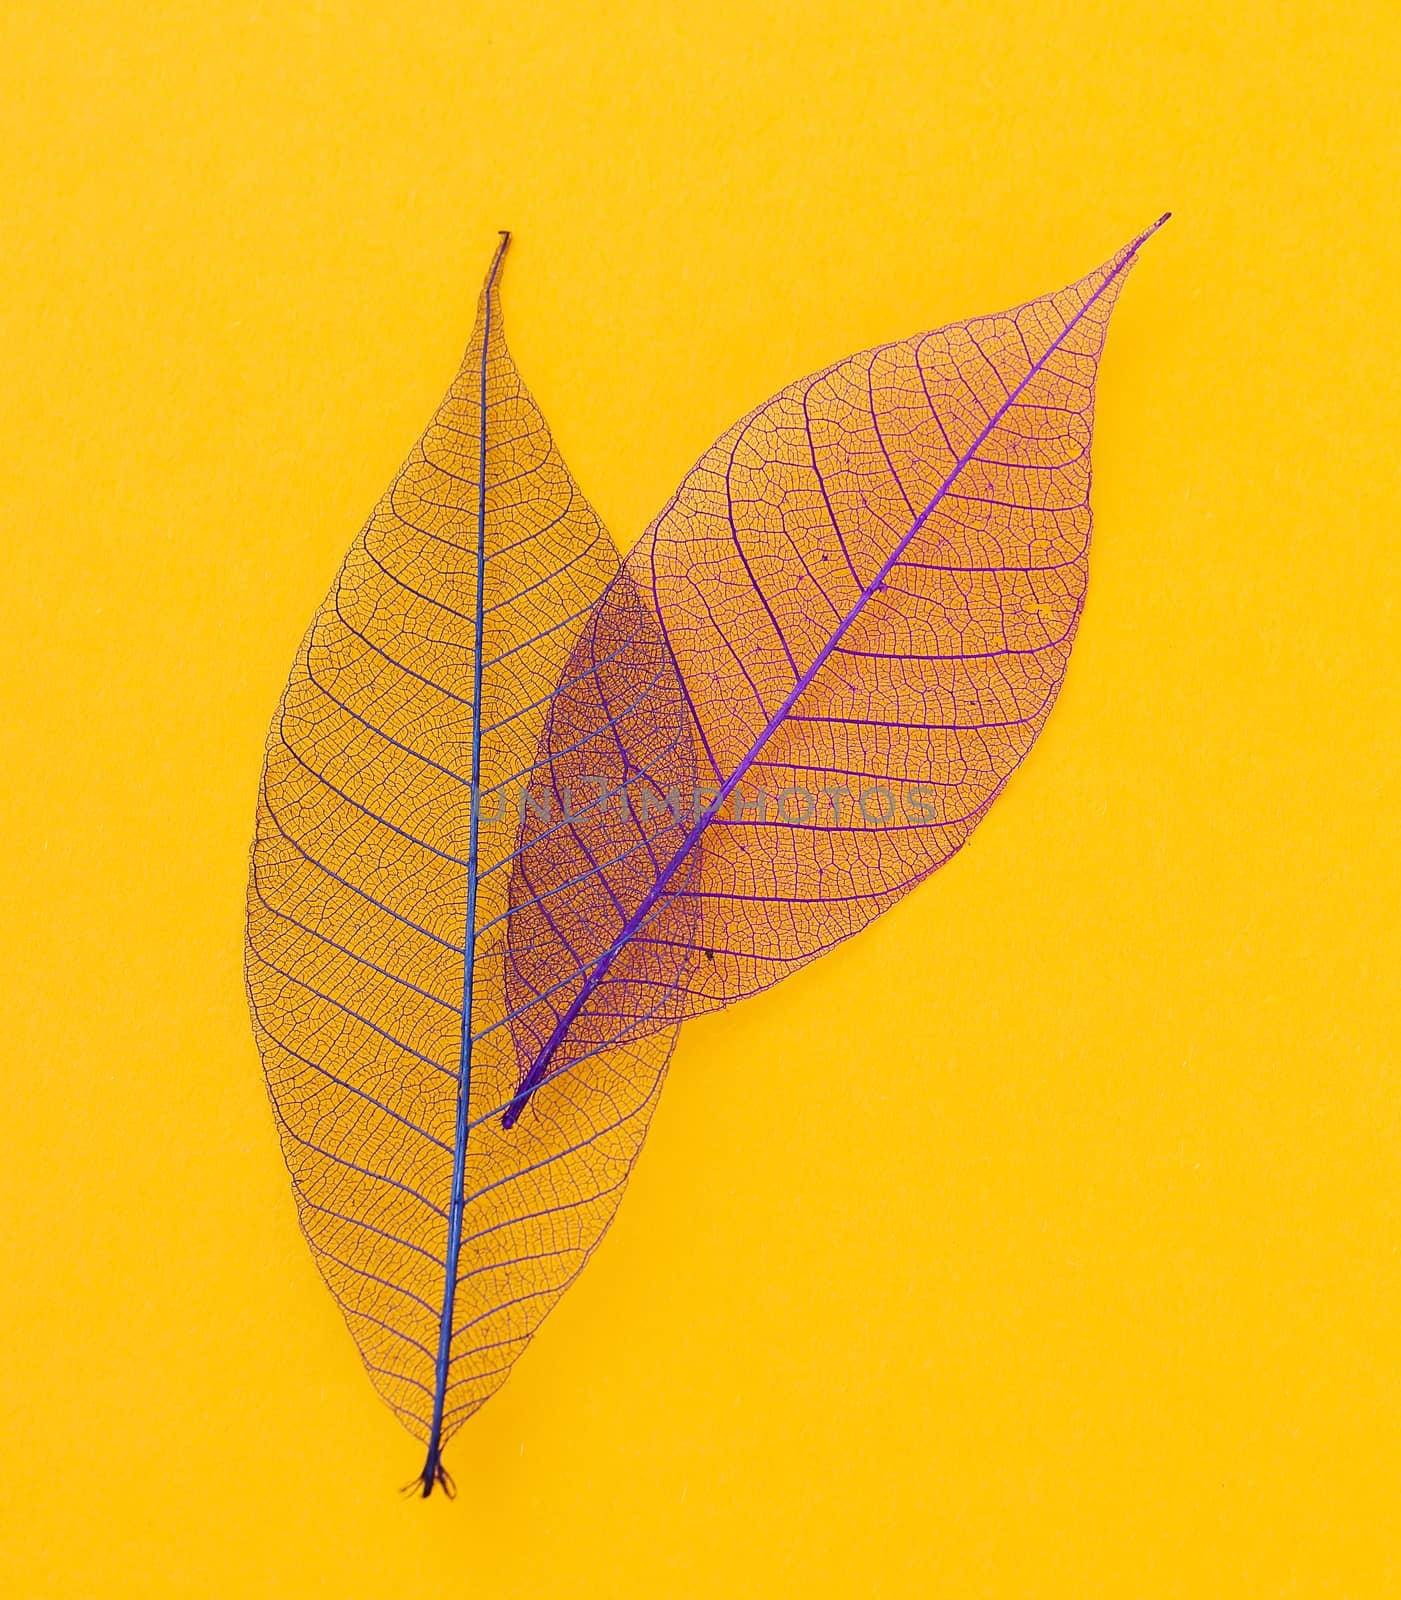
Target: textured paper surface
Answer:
[[1040, 1242]]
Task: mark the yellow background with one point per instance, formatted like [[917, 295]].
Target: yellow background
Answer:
[[1041, 1242]]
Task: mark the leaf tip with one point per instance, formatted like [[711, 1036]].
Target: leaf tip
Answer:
[[1148, 233], [1129, 254]]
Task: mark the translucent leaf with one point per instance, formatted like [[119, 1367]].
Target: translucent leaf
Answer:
[[378, 897], [870, 586]]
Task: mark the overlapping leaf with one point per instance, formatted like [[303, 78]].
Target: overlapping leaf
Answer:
[[692, 773], [377, 946], [870, 586], [618, 734]]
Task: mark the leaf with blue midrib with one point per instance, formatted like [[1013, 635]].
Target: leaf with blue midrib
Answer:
[[377, 947]]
